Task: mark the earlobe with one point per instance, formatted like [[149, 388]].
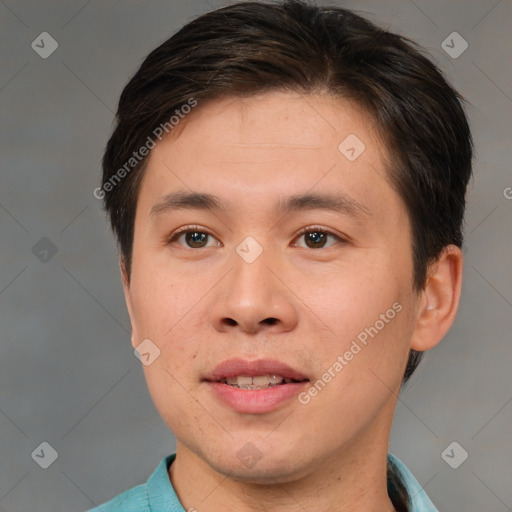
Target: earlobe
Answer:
[[439, 300]]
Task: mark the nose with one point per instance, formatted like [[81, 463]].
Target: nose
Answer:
[[254, 297]]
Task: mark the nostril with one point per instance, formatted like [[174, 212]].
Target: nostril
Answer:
[[271, 321]]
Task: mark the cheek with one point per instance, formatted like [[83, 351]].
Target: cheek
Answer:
[[167, 313], [161, 301], [350, 298], [367, 311], [170, 394]]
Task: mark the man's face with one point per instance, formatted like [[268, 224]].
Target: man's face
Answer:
[[334, 303]]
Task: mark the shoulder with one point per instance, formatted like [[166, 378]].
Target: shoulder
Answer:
[[156, 495], [402, 482], [133, 500]]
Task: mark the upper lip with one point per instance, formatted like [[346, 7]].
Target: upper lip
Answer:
[[237, 367]]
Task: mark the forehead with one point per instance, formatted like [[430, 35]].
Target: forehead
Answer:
[[269, 144], [256, 123]]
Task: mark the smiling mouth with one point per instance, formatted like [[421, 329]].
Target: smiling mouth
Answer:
[[258, 382]]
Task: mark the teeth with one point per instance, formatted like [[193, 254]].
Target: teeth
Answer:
[[260, 380], [256, 382], [244, 381], [275, 379]]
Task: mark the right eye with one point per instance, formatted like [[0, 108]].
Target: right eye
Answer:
[[195, 237]]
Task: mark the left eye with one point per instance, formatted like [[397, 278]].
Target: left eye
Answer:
[[315, 238]]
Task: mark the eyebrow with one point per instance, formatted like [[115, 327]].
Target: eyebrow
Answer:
[[338, 202]]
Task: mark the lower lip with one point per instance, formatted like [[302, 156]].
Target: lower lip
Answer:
[[256, 401]]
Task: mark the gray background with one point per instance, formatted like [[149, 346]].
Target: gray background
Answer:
[[67, 371]]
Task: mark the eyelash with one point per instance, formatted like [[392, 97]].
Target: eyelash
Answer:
[[186, 229]]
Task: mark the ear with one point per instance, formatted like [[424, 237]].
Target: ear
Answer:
[[439, 300], [128, 299]]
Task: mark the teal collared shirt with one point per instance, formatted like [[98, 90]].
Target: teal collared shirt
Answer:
[[158, 495]]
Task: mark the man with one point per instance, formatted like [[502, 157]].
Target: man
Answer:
[[287, 185]]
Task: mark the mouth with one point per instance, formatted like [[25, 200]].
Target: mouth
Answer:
[[258, 381], [256, 374], [255, 387]]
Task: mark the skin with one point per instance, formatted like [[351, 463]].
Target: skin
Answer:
[[203, 304]]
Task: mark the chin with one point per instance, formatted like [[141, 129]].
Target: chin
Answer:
[[267, 474], [253, 465]]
